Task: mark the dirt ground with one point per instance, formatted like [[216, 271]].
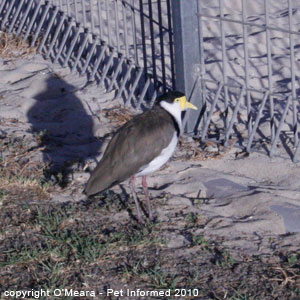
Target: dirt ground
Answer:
[[55, 240], [83, 246]]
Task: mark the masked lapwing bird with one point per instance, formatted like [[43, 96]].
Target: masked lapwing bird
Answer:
[[140, 147]]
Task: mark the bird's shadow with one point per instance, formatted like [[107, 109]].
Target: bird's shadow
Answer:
[[120, 201], [63, 128], [115, 201], [129, 210], [126, 203]]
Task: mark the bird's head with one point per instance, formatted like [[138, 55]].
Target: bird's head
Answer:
[[175, 101]]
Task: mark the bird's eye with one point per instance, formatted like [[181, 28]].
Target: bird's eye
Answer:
[[177, 100]]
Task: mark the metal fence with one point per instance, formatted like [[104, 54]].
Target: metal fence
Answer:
[[243, 69], [124, 45], [238, 60]]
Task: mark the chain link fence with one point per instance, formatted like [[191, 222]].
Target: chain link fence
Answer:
[[245, 71], [124, 45]]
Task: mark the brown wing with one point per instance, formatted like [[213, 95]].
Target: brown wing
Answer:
[[133, 146]]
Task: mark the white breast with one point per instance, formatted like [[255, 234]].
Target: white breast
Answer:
[[159, 161]]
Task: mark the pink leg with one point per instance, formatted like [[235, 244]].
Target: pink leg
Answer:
[[146, 191], [132, 187]]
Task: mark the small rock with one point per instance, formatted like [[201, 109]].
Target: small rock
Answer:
[[176, 241], [3, 134], [80, 176], [212, 148], [61, 198]]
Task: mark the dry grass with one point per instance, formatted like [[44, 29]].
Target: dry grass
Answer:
[[118, 115], [196, 150], [81, 245], [18, 171], [12, 47]]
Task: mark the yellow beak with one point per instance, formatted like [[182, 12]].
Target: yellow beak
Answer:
[[184, 104]]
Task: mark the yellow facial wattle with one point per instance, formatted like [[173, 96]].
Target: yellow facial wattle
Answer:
[[184, 104]]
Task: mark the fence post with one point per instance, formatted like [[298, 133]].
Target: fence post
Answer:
[[187, 56]]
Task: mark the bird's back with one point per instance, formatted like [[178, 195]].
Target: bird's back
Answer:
[[133, 146]]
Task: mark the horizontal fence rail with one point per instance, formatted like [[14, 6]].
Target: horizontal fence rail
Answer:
[[249, 73], [123, 45]]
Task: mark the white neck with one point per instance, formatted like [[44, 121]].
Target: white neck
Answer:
[[175, 110]]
